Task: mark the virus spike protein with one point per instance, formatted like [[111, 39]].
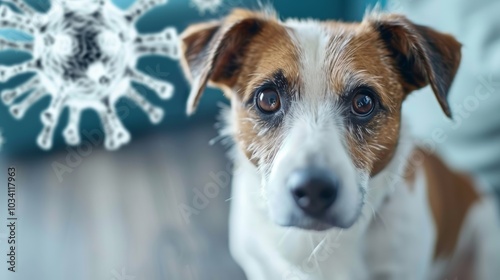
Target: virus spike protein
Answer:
[[164, 43], [162, 88], [50, 118], [9, 19], [70, 133], [18, 110], [115, 134], [22, 6], [9, 96], [7, 72], [154, 113], [6, 45], [140, 7]]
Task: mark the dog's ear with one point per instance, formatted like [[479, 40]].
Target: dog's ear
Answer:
[[423, 55], [213, 52]]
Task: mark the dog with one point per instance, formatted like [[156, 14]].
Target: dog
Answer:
[[328, 182]]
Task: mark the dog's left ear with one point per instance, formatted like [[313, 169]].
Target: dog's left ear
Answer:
[[213, 52], [423, 55]]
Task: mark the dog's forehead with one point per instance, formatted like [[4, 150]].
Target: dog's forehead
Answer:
[[320, 50], [319, 56]]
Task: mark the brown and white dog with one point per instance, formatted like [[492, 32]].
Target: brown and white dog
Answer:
[[328, 184]]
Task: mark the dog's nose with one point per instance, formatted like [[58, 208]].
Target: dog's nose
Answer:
[[313, 189]]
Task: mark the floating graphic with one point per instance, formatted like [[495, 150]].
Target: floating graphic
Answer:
[[84, 54], [204, 6]]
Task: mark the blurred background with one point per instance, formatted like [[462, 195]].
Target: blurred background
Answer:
[[158, 207]]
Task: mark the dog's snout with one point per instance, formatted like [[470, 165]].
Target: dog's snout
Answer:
[[313, 189]]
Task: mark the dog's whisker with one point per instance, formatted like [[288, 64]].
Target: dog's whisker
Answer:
[[316, 249], [313, 254], [285, 235], [376, 214]]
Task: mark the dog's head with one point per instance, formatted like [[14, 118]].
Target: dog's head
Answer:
[[317, 105]]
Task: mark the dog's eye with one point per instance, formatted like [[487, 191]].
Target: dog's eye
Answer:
[[362, 103], [268, 101]]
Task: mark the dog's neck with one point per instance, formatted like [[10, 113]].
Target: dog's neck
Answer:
[[393, 175]]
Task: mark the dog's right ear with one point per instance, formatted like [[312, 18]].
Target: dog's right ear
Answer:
[[423, 55], [213, 52]]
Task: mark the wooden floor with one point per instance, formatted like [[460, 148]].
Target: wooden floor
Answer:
[[118, 215]]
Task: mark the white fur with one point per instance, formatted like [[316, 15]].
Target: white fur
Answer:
[[401, 237], [313, 135]]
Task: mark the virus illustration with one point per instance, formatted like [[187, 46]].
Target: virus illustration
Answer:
[[204, 6], [84, 54]]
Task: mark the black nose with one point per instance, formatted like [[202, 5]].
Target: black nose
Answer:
[[313, 189]]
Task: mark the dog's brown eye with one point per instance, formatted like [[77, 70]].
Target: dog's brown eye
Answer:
[[362, 104], [268, 101]]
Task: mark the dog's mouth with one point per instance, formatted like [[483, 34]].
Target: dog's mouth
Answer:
[[316, 224], [321, 223], [308, 223]]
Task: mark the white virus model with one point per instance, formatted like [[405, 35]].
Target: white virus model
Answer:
[[204, 6], [84, 54]]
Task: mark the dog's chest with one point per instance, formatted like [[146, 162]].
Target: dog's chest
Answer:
[[401, 236], [398, 230], [398, 233]]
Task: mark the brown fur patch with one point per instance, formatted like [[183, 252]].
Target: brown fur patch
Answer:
[[365, 62], [270, 51], [423, 55], [451, 196]]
